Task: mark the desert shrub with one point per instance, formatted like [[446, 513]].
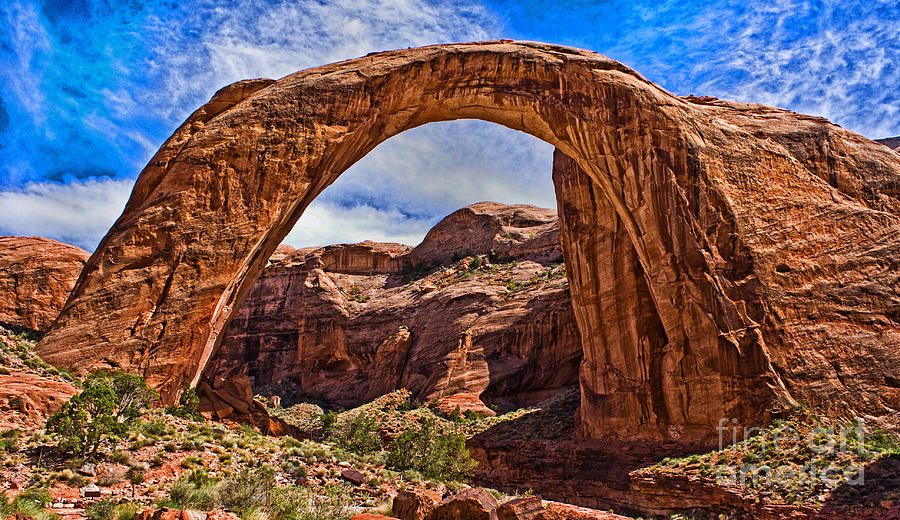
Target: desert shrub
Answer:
[[296, 503], [105, 409], [102, 510], [247, 489], [157, 428], [434, 454], [195, 490], [359, 435], [9, 441], [191, 462], [31, 504], [119, 457], [157, 460], [294, 469]]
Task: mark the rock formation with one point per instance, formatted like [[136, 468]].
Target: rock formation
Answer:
[[890, 142], [761, 244], [348, 323], [36, 275]]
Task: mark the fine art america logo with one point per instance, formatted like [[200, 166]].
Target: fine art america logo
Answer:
[[826, 442]]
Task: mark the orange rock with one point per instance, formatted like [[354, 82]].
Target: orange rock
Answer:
[[464, 402], [525, 508], [28, 399], [412, 504], [370, 516], [36, 275], [468, 504]]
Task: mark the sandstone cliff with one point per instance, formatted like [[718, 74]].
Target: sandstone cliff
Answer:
[[36, 275], [348, 323]]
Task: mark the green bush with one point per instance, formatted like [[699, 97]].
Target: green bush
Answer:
[[329, 421], [9, 441], [359, 435], [436, 455], [102, 510], [188, 405]]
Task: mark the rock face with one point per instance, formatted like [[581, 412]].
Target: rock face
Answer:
[[348, 323], [36, 275], [517, 231], [890, 142], [767, 241]]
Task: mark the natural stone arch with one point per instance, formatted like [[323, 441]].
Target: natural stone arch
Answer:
[[681, 191]]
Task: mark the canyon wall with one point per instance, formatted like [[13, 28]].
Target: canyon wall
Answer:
[[36, 275], [347, 323]]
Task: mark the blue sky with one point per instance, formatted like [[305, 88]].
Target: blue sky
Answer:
[[91, 88]]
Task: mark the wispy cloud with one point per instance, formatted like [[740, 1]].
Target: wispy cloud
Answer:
[[839, 60]]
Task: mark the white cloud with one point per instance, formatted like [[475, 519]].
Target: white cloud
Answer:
[[77, 212], [416, 178], [324, 223]]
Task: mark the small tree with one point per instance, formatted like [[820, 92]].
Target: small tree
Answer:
[[188, 405], [135, 475], [105, 409]]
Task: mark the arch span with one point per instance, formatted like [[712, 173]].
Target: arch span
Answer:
[[668, 210]]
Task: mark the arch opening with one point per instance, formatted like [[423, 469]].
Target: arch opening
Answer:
[[479, 310]]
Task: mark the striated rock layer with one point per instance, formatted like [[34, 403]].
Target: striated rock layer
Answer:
[[767, 241], [348, 323], [36, 275]]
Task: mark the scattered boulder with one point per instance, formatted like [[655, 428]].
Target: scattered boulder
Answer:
[[414, 504], [525, 508], [353, 476], [469, 504]]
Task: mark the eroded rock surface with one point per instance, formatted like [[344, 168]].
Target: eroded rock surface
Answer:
[[767, 240], [348, 323], [36, 275]]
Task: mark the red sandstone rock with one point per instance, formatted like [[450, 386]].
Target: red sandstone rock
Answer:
[[370, 516], [760, 245], [353, 476], [525, 508], [468, 504], [28, 399], [559, 511], [36, 275], [414, 504], [463, 402], [890, 142], [517, 231]]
